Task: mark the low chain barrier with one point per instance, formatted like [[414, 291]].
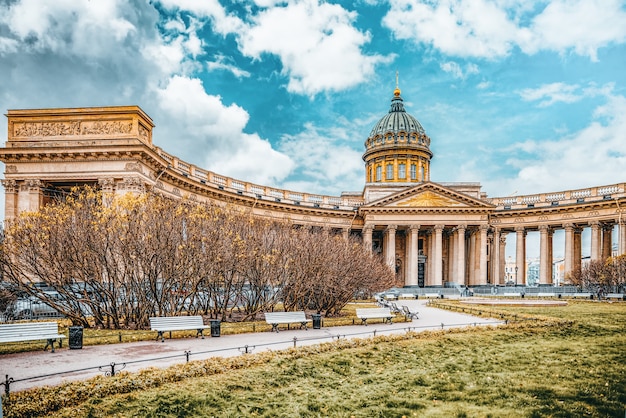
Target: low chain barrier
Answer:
[[113, 368]]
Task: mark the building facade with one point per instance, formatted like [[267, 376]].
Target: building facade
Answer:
[[431, 233]]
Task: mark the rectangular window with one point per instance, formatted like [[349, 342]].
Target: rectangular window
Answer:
[[401, 171], [389, 172], [413, 172], [379, 173]]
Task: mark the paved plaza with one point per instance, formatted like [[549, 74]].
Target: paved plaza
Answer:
[[40, 368]]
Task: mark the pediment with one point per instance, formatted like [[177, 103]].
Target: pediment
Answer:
[[429, 196]]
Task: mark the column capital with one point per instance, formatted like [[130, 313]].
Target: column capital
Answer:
[[438, 228], [519, 228], [391, 228], [31, 185], [569, 226], [594, 224], [414, 228], [544, 228], [368, 228], [483, 228], [107, 184], [461, 227], [10, 186]]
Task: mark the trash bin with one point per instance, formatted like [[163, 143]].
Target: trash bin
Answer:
[[76, 338], [215, 328], [317, 321]]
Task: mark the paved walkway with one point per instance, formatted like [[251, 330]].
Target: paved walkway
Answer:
[[34, 369]]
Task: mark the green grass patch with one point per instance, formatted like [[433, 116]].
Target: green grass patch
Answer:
[[569, 361]]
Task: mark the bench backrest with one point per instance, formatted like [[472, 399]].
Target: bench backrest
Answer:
[[284, 317], [28, 330], [165, 322], [373, 313]]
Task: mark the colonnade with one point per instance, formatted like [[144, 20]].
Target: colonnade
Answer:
[[429, 255], [473, 255]]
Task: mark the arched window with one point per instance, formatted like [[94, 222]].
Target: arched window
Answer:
[[413, 172], [389, 175], [379, 173]]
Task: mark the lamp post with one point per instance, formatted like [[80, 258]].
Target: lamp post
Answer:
[[516, 276]]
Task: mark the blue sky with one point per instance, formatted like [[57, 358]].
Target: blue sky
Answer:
[[521, 96]]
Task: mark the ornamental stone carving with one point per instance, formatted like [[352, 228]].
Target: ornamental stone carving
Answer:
[[31, 185], [133, 167], [11, 169], [107, 184], [134, 184], [34, 129], [10, 186]]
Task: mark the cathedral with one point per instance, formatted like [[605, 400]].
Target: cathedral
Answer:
[[430, 233]]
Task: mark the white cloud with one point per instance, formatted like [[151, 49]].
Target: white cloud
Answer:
[[589, 157], [549, 94], [476, 28], [491, 29], [221, 63], [215, 133], [581, 25], [318, 45], [67, 26], [324, 159], [457, 71], [223, 23]]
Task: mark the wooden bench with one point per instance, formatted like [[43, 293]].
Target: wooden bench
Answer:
[[615, 296], [277, 318], [408, 314], [512, 294], [161, 324], [31, 331], [372, 313], [546, 295]]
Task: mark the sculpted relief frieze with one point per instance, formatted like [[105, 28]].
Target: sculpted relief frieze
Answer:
[[74, 128]]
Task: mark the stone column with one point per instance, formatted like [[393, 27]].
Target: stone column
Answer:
[[569, 250], [390, 246], [413, 246], [10, 199], [482, 261], [30, 196], [495, 256], [502, 260], [607, 241], [545, 254], [595, 240], [577, 247], [471, 258], [460, 254], [438, 262], [367, 237], [520, 255], [621, 237], [430, 265], [345, 233]]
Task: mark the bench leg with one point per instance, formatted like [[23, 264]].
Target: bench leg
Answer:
[[51, 344], [363, 321], [274, 328], [304, 324], [160, 335], [388, 320], [200, 333]]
